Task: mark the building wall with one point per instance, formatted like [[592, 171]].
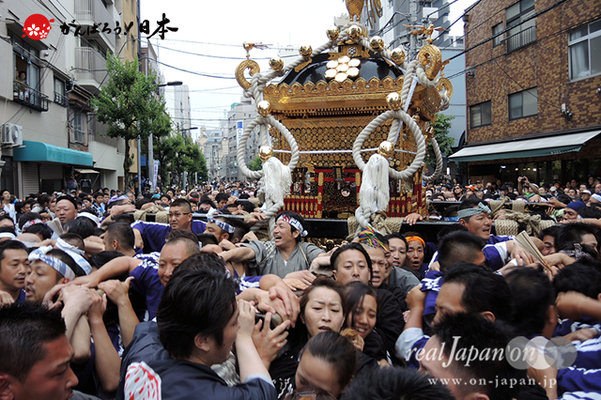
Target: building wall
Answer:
[[543, 64]]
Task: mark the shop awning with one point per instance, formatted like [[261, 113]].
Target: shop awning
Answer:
[[42, 152], [539, 147]]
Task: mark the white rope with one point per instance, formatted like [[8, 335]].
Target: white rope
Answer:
[[340, 151], [438, 169]]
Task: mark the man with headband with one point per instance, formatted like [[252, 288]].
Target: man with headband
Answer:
[[48, 267], [151, 235], [475, 216], [285, 255]]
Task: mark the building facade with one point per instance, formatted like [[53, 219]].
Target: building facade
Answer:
[[50, 138], [240, 115], [533, 86]]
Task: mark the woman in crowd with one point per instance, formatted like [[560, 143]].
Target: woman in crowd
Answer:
[[322, 309], [362, 301], [7, 205], [327, 363]]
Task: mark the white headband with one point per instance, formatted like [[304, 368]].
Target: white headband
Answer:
[[58, 265], [295, 223]]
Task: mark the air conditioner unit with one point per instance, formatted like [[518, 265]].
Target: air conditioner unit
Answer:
[[12, 135]]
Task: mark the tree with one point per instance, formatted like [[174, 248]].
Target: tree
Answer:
[[441, 131], [128, 106], [255, 164], [177, 154]]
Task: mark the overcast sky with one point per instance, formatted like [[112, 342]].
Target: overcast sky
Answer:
[[213, 33]]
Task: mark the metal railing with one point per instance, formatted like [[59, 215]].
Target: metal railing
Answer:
[[61, 99], [89, 64], [28, 96], [521, 39], [89, 12]]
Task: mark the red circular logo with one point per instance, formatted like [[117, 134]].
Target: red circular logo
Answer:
[[37, 27]]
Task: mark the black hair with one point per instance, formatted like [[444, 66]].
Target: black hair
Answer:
[[207, 238], [183, 203], [80, 226], [573, 233], [99, 259], [589, 212], [122, 233], [221, 196], [70, 199], [165, 195], [141, 202], [297, 217], [551, 231], [355, 293], [532, 296], [483, 290], [459, 246], [197, 301], [395, 235], [247, 206], [448, 229], [395, 384], [7, 217], [473, 331], [178, 235], [323, 282], [41, 230], [204, 259], [346, 247], [337, 351], [11, 245], [24, 331], [43, 199], [579, 277], [125, 218], [563, 198], [98, 194]]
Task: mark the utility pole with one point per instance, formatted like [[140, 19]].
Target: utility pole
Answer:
[[413, 10]]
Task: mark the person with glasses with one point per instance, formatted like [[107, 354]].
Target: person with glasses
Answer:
[[150, 236]]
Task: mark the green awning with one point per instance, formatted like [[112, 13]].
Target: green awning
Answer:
[[526, 148], [42, 152]]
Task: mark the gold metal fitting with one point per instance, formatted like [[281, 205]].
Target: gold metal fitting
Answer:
[[333, 33], [376, 43], [397, 56], [263, 108], [305, 51], [355, 32], [265, 153], [386, 149], [394, 101], [276, 63]]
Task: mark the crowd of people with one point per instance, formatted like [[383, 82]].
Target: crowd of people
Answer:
[[97, 302]]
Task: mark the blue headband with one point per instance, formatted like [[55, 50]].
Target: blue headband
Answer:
[[58, 265], [223, 225], [470, 212]]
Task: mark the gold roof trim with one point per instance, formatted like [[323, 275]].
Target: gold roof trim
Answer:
[[324, 96]]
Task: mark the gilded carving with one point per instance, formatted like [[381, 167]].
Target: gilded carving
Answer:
[[244, 65], [431, 58]]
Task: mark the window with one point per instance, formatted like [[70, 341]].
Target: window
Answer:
[[520, 33], [523, 104], [78, 132], [496, 30], [59, 92], [480, 115], [585, 51]]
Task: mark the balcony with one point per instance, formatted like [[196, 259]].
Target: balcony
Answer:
[[90, 12], [29, 97], [61, 99], [90, 68], [521, 39]]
